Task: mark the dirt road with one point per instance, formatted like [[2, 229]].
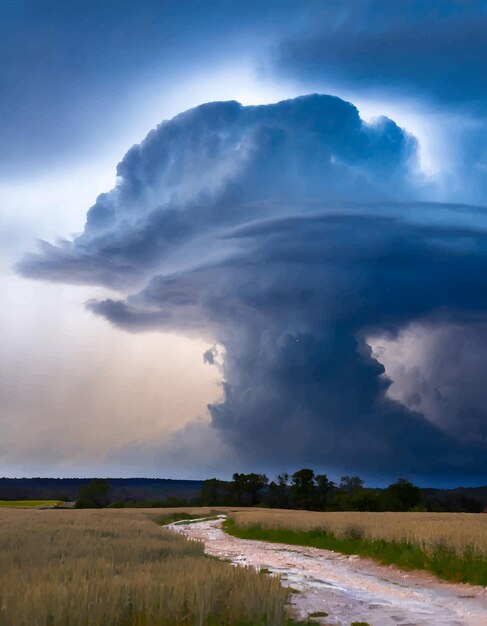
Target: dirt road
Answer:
[[348, 588]]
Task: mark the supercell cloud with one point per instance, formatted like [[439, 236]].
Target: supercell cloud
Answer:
[[425, 56], [298, 240]]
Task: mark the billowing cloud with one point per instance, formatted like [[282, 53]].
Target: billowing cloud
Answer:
[[440, 370], [220, 165], [425, 58], [291, 235]]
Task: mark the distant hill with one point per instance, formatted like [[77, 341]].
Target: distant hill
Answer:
[[472, 499], [120, 488]]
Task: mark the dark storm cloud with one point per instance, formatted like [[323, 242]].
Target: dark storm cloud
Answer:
[[431, 50], [424, 56], [444, 374], [288, 234], [222, 164]]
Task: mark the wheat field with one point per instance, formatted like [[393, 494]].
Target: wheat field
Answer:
[[119, 567], [458, 531]]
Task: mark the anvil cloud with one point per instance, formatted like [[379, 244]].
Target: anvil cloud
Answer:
[[296, 235]]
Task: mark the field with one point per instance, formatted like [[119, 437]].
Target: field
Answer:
[[29, 504], [120, 567], [454, 530], [451, 545]]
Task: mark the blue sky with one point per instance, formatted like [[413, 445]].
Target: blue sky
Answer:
[[326, 257]]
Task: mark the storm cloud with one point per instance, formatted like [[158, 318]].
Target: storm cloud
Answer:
[[429, 58], [293, 236], [434, 50]]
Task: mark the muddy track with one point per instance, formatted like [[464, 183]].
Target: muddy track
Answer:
[[346, 587]]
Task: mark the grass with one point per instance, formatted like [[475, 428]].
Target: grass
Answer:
[[457, 531], [439, 558], [29, 504], [182, 516], [118, 567]]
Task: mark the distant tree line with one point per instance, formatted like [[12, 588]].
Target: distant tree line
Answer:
[[315, 492], [302, 490]]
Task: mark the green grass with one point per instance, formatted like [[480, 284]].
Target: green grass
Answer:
[[441, 561], [29, 504], [171, 518]]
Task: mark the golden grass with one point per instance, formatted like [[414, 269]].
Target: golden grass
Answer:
[[457, 531], [119, 567]]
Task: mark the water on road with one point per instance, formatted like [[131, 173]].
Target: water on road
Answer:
[[348, 588]]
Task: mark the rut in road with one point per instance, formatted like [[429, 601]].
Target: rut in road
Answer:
[[348, 588]]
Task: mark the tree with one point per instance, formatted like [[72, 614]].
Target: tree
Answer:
[[255, 484], [403, 495], [94, 495], [283, 490], [278, 492], [250, 484], [210, 492], [303, 489], [239, 487], [351, 484], [366, 500], [324, 488]]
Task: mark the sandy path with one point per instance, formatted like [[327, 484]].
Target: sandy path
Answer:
[[348, 588]]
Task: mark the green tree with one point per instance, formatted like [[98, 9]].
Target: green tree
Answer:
[[211, 492], [303, 489], [255, 484], [278, 492], [324, 488], [351, 484], [403, 496], [367, 500], [94, 495], [283, 490], [249, 484], [239, 487]]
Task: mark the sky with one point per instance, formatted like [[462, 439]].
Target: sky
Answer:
[[244, 236]]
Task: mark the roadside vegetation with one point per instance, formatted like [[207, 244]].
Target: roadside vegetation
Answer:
[[111, 567], [29, 504], [452, 546], [188, 518]]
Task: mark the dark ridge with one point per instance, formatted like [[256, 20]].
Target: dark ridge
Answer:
[[120, 488]]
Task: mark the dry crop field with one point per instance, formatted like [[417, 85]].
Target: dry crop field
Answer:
[[457, 531], [107, 567]]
